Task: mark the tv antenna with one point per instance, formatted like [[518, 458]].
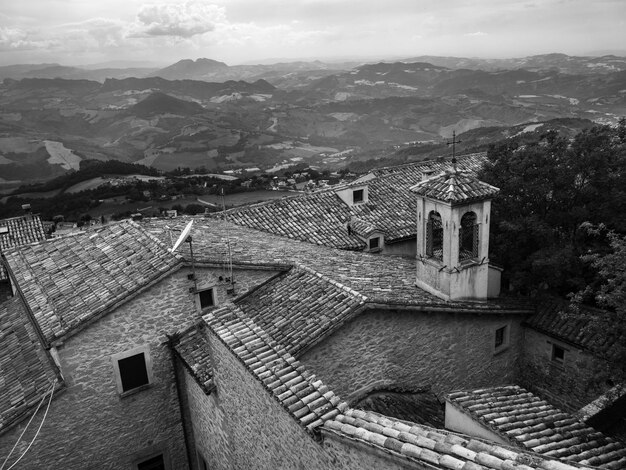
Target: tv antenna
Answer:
[[453, 143], [186, 237]]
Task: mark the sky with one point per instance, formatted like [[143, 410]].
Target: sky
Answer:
[[161, 32]]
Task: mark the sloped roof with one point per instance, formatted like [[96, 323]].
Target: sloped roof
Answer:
[[575, 329], [525, 420], [66, 281], [279, 309], [311, 404], [434, 448], [22, 230], [455, 187], [192, 347], [381, 279], [18, 231], [321, 218], [304, 397], [26, 373]]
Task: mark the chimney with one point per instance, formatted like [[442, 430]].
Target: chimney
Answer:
[[427, 174]]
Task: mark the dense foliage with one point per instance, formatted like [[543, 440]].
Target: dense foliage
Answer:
[[548, 188]]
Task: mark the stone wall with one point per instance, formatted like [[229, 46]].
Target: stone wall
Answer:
[[263, 433], [569, 385], [208, 424], [415, 350], [90, 425]]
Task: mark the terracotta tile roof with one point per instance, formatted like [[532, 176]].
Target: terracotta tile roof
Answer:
[[455, 187], [68, 280], [525, 420], [18, 231], [420, 407], [318, 218], [434, 448], [575, 329], [381, 279], [193, 348], [300, 307], [321, 218], [26, 373], [468, 162], [304, 397]]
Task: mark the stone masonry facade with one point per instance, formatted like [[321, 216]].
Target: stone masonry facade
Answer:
[[99, 428], [413, 350], [569, 384]]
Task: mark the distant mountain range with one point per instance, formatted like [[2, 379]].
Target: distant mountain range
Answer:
[[207, 113]]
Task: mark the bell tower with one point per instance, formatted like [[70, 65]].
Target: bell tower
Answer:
[[453, 210]]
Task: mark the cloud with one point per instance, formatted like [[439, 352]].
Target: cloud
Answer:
[[15, 39], [182, 20], [476, 34]]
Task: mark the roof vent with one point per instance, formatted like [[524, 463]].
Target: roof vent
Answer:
[[427, 173]]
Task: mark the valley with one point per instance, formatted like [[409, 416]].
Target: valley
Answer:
[[267, 118]]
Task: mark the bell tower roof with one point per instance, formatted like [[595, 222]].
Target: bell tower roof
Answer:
[[455, 187]]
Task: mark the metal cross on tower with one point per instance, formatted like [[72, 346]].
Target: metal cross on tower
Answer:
[[453, 143]]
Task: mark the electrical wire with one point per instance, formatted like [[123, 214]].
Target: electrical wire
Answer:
[[43, 398], [38, 429]]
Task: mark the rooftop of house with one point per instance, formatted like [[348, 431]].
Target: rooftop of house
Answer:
[[554, 319], [26, 373], [421, 407], [68, 281], [21, 230], [18, 231], [525, 420], [384, 281], [192, 347], [322, 217], [436, 448], [317, 409], [455, 187], [304, 397]]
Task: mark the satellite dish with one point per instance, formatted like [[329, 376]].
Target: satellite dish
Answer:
[[183, 236]]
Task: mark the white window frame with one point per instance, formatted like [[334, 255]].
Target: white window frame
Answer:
[[115, 358]]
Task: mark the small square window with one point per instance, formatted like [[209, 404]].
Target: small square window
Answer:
[[374, 243], [500, 336], [206, 298], [133, 370], [501, 339], [357, 196], [558, 354], [153, 463]]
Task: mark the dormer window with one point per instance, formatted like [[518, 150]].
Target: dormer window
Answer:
[[374, 244], [468, 237], [353, 195], [4, 229], [434, 236]]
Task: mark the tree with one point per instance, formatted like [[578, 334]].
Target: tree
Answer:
[[548, 188], [609, 293]]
